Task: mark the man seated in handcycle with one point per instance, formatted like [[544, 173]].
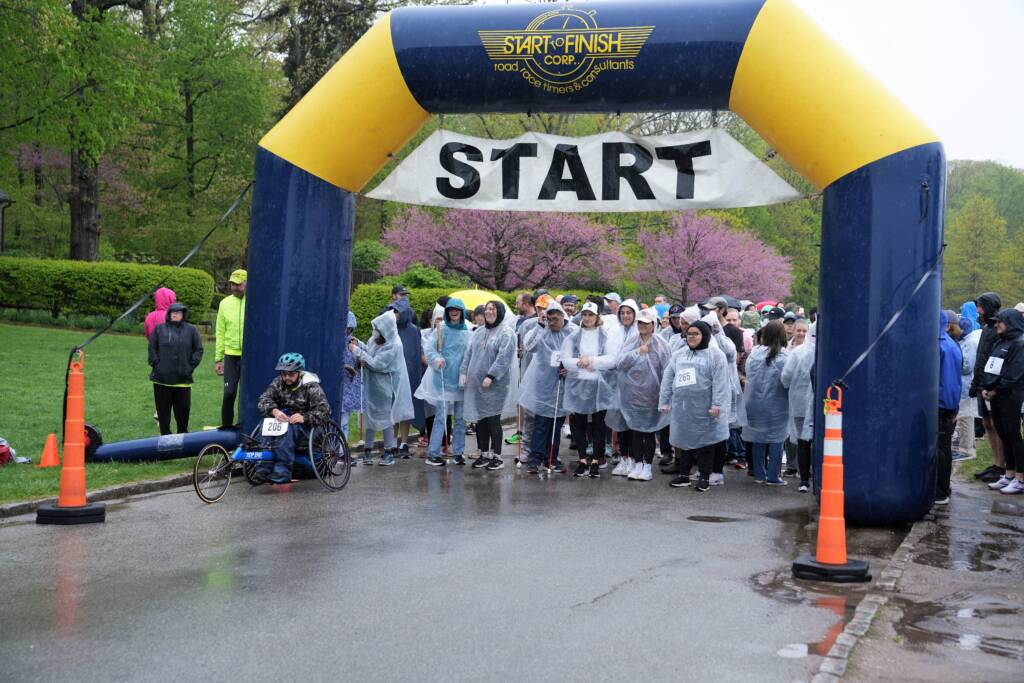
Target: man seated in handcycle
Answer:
[[295, 399]]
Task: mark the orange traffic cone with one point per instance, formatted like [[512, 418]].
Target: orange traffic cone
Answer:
[[50, 456], [830, 563], [72, 507]]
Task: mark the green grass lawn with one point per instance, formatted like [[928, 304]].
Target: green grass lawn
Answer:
[[118, 400], [968, 468]]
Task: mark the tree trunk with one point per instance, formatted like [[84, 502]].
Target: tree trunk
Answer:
[[190, 147], [85, 210]]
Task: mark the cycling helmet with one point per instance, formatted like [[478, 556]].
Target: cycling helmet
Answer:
[[291, 362]]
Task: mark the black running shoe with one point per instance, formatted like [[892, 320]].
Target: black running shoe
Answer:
[[679, 482], [666, 460], [458, 460], [988, 470], [581, 469], [702, 485], [435, 461], [532, 469], [674, 467], [557, 467], [481, 462], [790, 472], [496, 463], [404, 451], [595, 470], [995, 475]]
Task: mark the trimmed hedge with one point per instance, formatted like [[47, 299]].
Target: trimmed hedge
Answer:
[[367, 301], [97, 288]]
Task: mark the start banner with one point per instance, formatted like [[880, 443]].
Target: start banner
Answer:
[[601, 173]]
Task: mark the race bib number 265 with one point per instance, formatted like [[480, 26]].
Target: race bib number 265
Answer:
[[686, 377]]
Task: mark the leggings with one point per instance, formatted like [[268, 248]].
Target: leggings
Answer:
[[178, 398], [390, 443], [721, 451], [578, 424], [488, 434], [1006, 416], [803, 458], [703, 456], [232, 375], [638, 445]]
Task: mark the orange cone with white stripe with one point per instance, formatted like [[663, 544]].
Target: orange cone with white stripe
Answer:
[[830, 562]]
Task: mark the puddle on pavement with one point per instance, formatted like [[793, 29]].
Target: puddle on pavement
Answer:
[[964, 549], [713, 519], [782, 587], [970, 622]]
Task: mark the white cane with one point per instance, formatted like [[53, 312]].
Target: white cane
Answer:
[[443, 414], [554, 423]]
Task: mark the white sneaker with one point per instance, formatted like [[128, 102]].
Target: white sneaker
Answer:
[[717, 479], [1003, 482], [623, 468], [634, 472], [645, 473], [1015, 487], [566, 431]]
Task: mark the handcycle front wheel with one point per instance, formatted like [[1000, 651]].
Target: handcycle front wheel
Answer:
[[212, 473], [329, 453]]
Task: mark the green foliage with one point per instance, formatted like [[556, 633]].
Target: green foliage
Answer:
[[422, 276], [96, 288], [130, 325], [978, 257], [368, 255]]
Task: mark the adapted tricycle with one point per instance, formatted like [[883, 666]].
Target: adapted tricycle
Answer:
[[325, 452]]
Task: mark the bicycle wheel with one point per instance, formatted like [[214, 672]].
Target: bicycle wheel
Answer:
[[330, 457], [212, 473]]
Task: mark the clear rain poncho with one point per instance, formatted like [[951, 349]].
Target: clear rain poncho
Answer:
[[796, 377], [542, 392], [765, 400], [735, 413], [386, 393], [491, 351], [693, 383], [638, 386], [449, 342], [587, 391]]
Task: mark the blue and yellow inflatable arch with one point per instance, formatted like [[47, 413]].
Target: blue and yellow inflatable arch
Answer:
[[882, 171]]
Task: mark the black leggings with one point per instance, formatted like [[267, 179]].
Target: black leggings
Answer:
[[721, 453], [578, 425], [178, 398], [488, 434], [704, 457], [232, 375], [1006, 416], [803, 459], [638, 445]]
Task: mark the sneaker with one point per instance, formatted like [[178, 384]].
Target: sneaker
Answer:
[[582, 469], [666, 460], [741, 464], [636, 470], [960, 456], [367, 458], [422, 442], [988, 470], [496, 463], [758, 481], [717, 479], [566, 431], [481, 461], [284, 479], [995, 475], [602, 462], [471, 429], [512, 440], [777, 482], [702, 485], [942, 501], [387, 459], [404, 451], [645, 473], [804, 487], [623, 468], [595, 470], [674, 467], [1014, 488], [435, 461], [1001, 483], [790, 472], [681, 481], [458, 460], [557, 467], [533, 469]]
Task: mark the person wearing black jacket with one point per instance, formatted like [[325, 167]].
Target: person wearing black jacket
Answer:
[[1002, 384], [988, 305], [175, 350]]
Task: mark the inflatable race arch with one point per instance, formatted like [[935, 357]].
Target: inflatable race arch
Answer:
[[882, 171]]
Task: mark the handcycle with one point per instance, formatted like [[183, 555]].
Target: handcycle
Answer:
[[325, 452]]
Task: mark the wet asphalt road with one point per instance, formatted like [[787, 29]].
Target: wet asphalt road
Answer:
[[411, 573]]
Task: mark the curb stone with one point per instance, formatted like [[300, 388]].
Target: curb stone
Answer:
[[833, 666], [114, 492]]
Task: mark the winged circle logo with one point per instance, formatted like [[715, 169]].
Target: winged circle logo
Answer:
[[564, 50]]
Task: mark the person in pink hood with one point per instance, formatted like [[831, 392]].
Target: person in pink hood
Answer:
[[163, 298]]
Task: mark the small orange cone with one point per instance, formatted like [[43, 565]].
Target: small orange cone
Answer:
[[72, 506], [830, 563], [50, 456]]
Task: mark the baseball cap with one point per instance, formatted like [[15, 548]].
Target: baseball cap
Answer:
[[238, 277], [776, 313], [648, 315], [613, 296], [399, 289], [570, 299], [790, 317], [592, 307], [675, 311], [715, 302], [544, 300]]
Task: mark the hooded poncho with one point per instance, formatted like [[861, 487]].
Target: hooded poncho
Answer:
[[695, 381], [387, 398]]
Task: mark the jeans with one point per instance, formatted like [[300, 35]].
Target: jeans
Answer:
[[944, 457], [284, 452], [736, 448], [232, 375], [773, 453], [541, 449], [458, 432]]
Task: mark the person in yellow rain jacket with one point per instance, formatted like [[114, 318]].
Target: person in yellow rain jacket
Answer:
[[228, 349]]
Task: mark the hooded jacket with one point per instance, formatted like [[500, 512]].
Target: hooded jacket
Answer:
[[387, 398], [163, 298], [409, 333], [638, 384], [491, 353], [230, 326], [449, 343], [540, 390], [1004, 370], [695, 381], [306, 398], [951, 363], [175, 350], [989, 304], [969, 317], [765, 398]]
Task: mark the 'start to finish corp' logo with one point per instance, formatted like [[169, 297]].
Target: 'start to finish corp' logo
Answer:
[[564, 50]]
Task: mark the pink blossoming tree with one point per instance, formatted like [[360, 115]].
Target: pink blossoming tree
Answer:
[[505, 250], [700, 256]]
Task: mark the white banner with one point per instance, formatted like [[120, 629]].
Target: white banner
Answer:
[[602, 173]]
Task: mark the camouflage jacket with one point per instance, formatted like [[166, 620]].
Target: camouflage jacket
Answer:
[[307, 398]]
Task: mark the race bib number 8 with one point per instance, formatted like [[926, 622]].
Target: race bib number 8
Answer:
[[686, 377], [272, 427], [994, 366]]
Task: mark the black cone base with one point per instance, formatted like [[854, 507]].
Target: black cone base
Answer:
[[49, 513], [854, 571]]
